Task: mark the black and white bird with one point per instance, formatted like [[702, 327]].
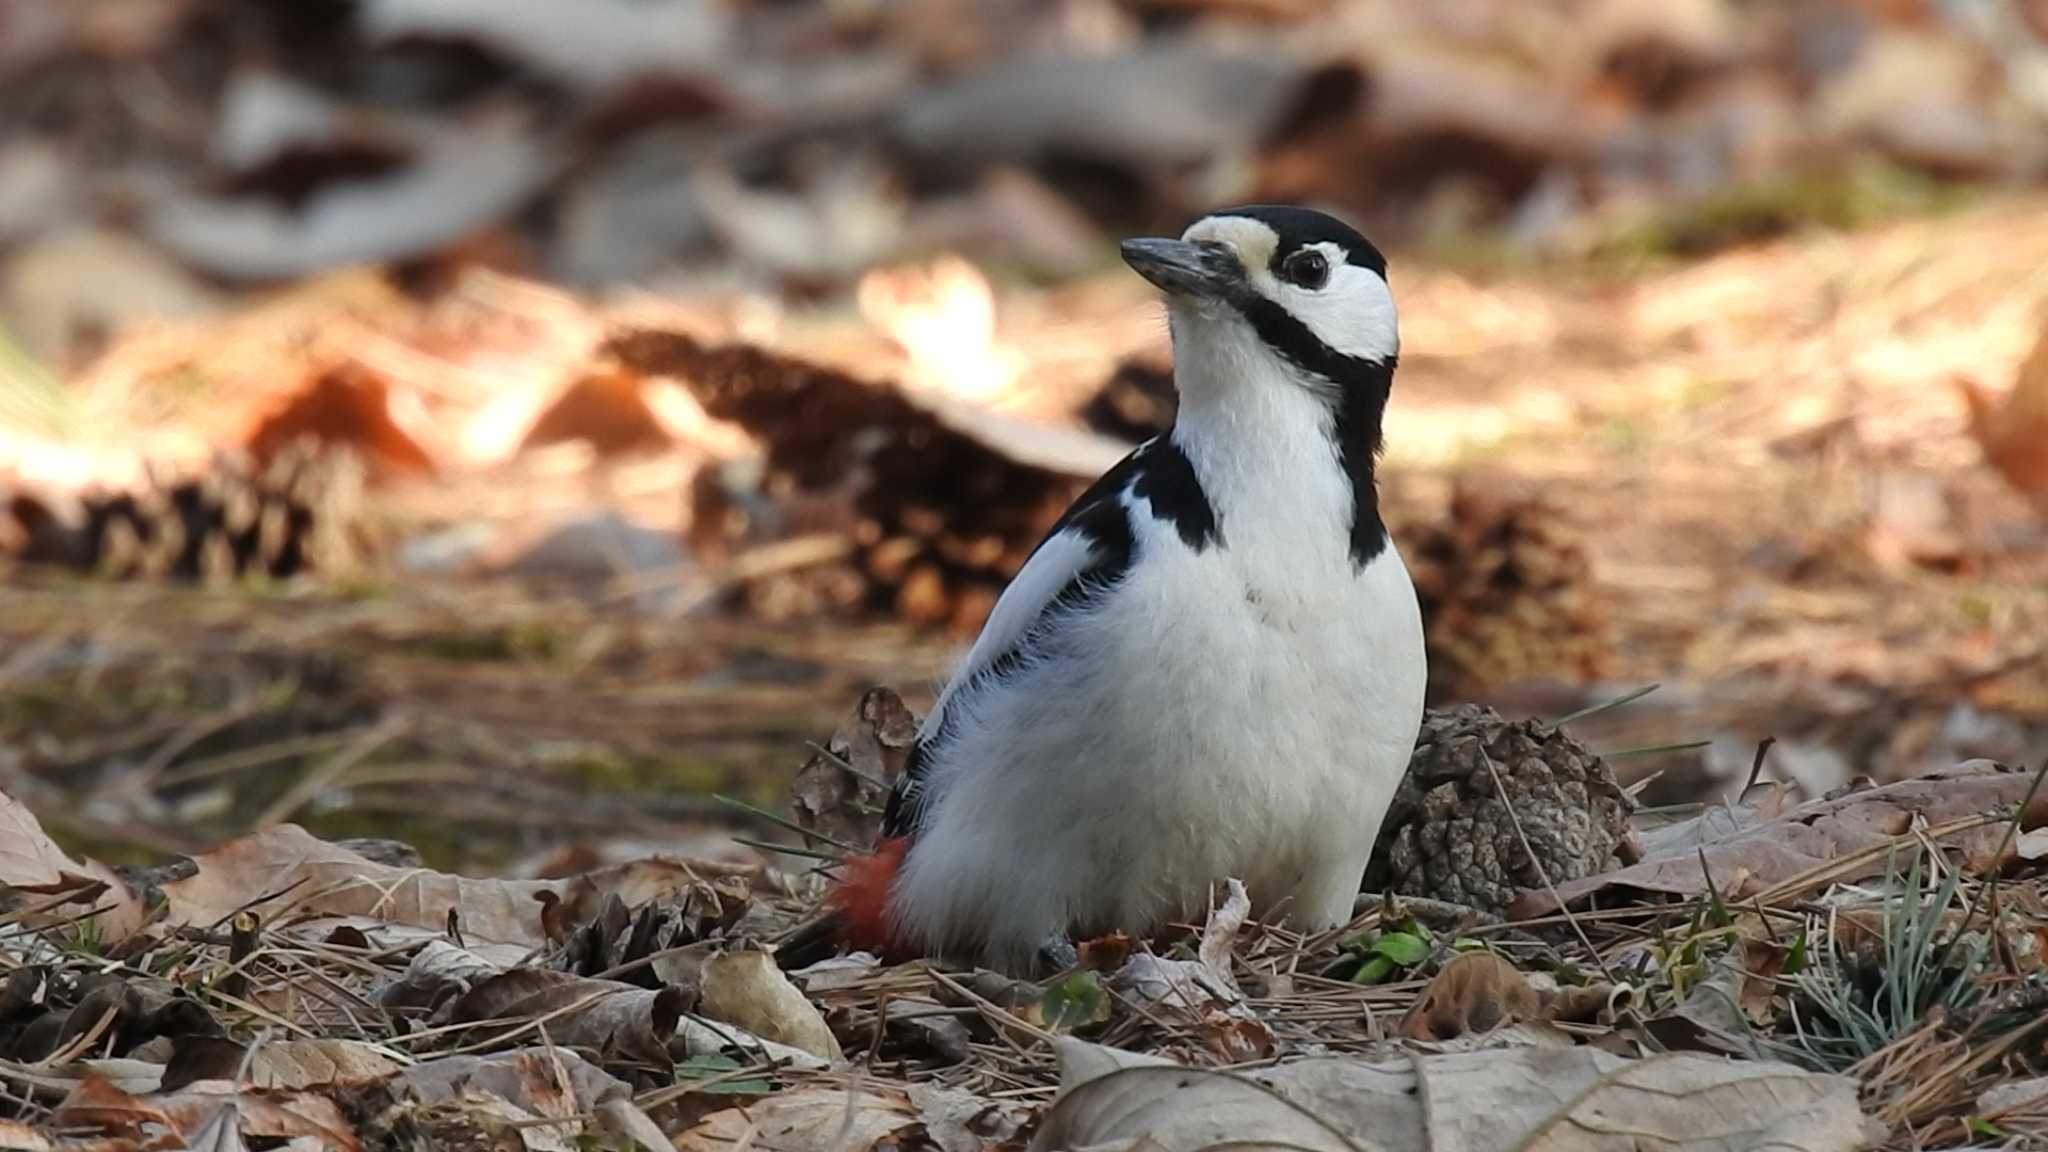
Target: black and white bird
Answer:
[[1212, 666]]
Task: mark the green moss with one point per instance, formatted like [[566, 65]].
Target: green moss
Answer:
[[442, 843], [605, 770], [526, 642], [1843, 198]]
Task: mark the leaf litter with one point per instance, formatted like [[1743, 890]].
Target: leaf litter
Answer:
[[1872, 954], [1486, 1031]]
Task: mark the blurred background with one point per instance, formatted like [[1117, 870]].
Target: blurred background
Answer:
[[503, 424]]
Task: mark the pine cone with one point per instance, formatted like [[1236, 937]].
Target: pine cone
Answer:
[[1451, 833], [1507, 594], [236, 519]]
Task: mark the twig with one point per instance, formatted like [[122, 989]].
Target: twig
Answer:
[[1608, 706], [1756, 766], [317, 780], [785, 822], [1654, 749]]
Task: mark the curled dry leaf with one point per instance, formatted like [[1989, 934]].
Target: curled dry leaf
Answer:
[[602, 1015], [438, 972], [840, 791], [32, 863], [293, 871], [1475, 992], [2013, 433], [289, 1064], [96, 1105], [748, 990], [1753, 857], [29, 859], [806, 1119], [1554, 1099], [1203, 993], [543, 1081]]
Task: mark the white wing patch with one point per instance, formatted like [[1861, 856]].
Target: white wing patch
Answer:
[[1062, 556]]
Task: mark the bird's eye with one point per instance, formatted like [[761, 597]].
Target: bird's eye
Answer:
[[1310, 269]]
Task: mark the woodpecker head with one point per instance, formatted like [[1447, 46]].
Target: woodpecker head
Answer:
[[1288, 283]]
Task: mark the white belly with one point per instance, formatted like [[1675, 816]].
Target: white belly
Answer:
[[1206, 723]]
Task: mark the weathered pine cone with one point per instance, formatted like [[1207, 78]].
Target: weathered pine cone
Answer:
[[1451, 832], [234, 519]]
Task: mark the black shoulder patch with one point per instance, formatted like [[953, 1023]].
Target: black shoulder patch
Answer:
[[1166, 480], [1298, 227], [1156, 470]]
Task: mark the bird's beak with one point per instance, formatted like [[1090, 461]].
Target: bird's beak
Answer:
[[1183, 269]]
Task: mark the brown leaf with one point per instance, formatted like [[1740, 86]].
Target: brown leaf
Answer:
[[2013, 434], [804, 1119], [1753, 858], [747, 990], [33, 863], [602, 1015], [28, 857], [1475, 992], [605, 409], [839, 792], [288, 1064], [344, 404], [543, 1081], [19, 1137], [99, 1106], [293, 870]]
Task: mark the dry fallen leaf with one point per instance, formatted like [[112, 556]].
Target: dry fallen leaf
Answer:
[[295, 871], [543, 1081], [843, 802], [270, 1116], [747, 990], [288, 1064], [299, 872], [804, 1120], [19, 1137], [2013, 434], [1755, 856], [1475, 992], [33, 863], [1555, 1099], [28, 857], [602, 1015]]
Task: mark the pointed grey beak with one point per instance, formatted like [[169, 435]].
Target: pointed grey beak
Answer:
[[1185, 269]]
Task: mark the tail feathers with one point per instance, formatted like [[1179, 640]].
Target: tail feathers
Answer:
[[857, 912]]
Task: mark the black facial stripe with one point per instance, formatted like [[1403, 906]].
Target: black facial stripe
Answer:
[[1361, 387]]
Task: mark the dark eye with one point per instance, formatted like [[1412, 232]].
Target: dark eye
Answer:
[[1310, 269]]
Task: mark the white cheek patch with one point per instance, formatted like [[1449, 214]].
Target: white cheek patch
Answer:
[[1353, 313]]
